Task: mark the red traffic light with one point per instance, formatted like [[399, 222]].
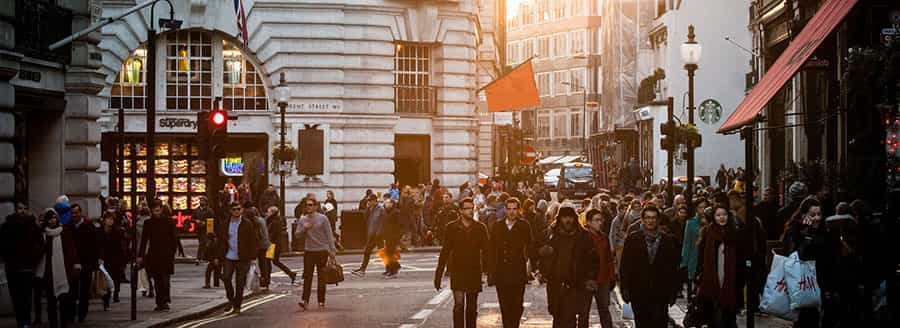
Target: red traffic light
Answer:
[[217, 118]]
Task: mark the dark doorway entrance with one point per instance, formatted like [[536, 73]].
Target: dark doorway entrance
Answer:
[[412, 159]]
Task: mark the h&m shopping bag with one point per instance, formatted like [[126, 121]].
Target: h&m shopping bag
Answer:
[[776, 300], [801, 283]]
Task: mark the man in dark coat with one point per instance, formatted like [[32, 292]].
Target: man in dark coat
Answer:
[[157, 252], [269, 198], [21, 246], [278, 235], [510, 246], [375, 217], [237, 247], [201, 214], [649, 267], [465, 249], [767, 211], [87, 242], [570, 266]]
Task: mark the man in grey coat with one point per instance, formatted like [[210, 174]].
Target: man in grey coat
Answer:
[[375, 215]]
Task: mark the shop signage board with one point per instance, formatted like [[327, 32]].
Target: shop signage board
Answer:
[[232, 166], [313, 107], [182, 123]]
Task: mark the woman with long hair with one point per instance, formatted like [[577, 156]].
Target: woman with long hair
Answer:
[[114, 255], [805, 234], [719, 262]]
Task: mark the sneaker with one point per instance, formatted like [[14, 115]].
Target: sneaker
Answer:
[[165, 308], [391, 276], [293, 278], [358, 273], [302, 305]]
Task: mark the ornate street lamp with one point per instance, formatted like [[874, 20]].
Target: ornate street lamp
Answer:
[[690, 54], [282, 95]]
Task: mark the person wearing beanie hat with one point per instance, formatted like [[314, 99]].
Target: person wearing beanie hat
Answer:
[[569, 265], [795, 194]]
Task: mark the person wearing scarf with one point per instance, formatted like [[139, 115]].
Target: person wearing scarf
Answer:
[[718, 268], [59, 265]]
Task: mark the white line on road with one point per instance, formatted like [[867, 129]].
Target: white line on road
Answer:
[[422, 315], [408, 325], [246, 306], [439, 298]]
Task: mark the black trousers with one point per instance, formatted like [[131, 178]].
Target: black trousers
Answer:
[[465, 309], [20, 290], [650, 315], [163, 288], [314, 260], [79, 295], [371, 244], [510, 298], [213, 272], [277, 262], [566, 303], [265, 268], [235, 281], [54, 305], [601, 295]]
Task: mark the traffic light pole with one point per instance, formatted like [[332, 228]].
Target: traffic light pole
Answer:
[[670, 154]]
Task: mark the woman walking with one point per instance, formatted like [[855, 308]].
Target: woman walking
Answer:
[[805, 234], [114, 255], [59, 265], [278, 235], [719, 252]]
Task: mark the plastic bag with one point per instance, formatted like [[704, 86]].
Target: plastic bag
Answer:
[[627, 312], [98, 285], [270, 252], [776, 300], [801, 283], [143, 281], [252, 283]]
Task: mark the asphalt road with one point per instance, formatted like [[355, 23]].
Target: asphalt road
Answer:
[[371, 301]]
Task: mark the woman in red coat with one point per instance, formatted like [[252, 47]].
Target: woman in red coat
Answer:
[[719, 253]]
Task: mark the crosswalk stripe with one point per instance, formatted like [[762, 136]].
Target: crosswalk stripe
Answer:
[[422, 314], [439, 298]]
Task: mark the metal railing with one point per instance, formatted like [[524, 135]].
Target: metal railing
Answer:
[[413, 99]]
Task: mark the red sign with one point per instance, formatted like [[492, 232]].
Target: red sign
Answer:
[[529, 155]]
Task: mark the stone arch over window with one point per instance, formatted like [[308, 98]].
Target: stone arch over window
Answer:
[[197, 66]]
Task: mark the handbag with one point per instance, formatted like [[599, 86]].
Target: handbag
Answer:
[[270, 252], [98, 285], [695, 316], [334, 273]]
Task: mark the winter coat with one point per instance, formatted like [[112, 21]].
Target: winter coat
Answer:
[[21, 243], [811, 244], [606, 274], [584, 260], [248, 241], [114, 247], [731, 295], [375, 217], [69, 251], [159, 242], [689, 246], [509, 251], [465, 250], [393, 224], [87, 241], [645, 282], [278, 235], [262, 234]]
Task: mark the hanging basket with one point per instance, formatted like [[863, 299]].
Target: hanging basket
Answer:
[[284, 153], [688, 135]]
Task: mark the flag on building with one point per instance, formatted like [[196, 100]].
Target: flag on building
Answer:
[[514, 91], [241, 21]]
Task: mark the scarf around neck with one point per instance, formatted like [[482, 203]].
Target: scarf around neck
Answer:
[[59, 280], [723, 291]]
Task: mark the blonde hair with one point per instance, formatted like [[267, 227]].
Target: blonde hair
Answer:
[[552, 210]]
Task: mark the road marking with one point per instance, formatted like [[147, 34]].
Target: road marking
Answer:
[[219, 317], [422, 314], [495, 305], [408, 325], [439, 298]]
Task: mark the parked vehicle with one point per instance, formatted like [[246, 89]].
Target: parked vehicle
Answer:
[[576, 180], [551, 178]]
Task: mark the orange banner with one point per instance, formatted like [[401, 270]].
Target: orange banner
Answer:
[[514, 91]]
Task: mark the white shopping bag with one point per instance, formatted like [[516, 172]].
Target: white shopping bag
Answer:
[[252, 283], [776, 300], [627, 312], [801, 283], [143, 281], [106, 276]]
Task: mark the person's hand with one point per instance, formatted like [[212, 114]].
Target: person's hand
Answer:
[[437, 283], [590, 285], [76, 268], [139, 261]]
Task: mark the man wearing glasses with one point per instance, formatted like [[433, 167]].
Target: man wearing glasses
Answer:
[[319, 246], [510, 245], [237, 247], [465, 246]]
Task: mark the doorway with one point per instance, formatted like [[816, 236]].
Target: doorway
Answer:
[[412, 159]]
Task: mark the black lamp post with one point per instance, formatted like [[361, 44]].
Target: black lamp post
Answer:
[[690, 54], [282, 94]]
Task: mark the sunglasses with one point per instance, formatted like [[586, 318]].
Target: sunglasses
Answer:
[[235, 208]]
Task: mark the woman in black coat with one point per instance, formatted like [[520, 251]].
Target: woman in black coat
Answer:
[[114, 256], [278, 235], [805, 234]]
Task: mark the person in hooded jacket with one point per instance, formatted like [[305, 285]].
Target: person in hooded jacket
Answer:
[[570, 266], [719, 283]]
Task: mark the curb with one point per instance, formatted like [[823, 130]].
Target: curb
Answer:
[[429, 249], [193, 313]]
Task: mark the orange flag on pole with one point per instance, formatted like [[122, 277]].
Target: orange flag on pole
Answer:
[[513, 91]]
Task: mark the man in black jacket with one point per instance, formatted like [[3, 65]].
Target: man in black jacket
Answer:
[[465, 249], [510, 245], [570, 265], [649, 267], [87, 242], [157, 253], [21, 247], [237, 247], [201, 214]]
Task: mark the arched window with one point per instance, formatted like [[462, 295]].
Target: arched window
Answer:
[[196, 64]]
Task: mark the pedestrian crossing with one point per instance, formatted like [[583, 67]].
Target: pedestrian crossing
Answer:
[[423, 264]]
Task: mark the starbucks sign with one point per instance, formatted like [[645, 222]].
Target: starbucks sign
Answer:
[[710, 111]]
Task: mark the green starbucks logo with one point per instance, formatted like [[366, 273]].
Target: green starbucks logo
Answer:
[[710, 111]]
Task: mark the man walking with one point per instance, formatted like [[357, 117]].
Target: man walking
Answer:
[[201, 214], [237, 247], [510, 244], [375, 216], [649, 271], [87, 243], [569, 265], [465, 247], [21, 246], [157, 252], [319, 247]]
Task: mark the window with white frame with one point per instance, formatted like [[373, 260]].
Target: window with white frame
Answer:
[[578, 38], [527, 49], [543, 84], [579, 76], [561, 88], [543, 11], [576, 124], [560, 124], [189, 61], [242, 87], [129, 89], [543, 124], [510, 51], [544, 47], [560, 45]]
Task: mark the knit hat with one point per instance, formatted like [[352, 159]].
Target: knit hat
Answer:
[[797, 190]]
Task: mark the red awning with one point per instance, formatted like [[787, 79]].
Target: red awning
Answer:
[[825, 20]]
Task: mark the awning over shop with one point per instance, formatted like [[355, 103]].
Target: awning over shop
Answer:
[[567, 159], [818, 28], [548, 160]]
